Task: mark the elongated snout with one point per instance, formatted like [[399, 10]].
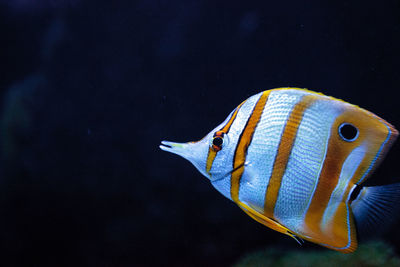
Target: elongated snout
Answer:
[[181, 149]]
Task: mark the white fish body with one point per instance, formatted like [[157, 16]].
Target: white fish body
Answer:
[[291, 158]]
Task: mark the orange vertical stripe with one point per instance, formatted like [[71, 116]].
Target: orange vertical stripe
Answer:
[[284, 150], [210, 159], [243, 144], [211, 153], [372, 133], [338, 151]]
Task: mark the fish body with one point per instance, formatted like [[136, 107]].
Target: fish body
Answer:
[[291, 159]]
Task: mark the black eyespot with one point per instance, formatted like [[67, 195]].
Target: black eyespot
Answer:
[[356, 192], [348, 132]]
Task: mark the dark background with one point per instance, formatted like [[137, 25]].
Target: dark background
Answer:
[[88, 90]]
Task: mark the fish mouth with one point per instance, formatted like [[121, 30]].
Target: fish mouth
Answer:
[[181, 149], [166, 146], [185, 150]]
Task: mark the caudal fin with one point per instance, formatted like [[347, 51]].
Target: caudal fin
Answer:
[[376, 208]]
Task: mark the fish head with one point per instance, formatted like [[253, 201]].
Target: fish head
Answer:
[[210, 155]]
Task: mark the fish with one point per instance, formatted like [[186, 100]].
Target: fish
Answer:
[[295, 161]]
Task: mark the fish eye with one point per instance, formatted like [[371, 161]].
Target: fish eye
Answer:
[[218, 141], [348, 132]]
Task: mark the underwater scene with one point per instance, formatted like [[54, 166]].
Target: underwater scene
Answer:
[[199, 133]]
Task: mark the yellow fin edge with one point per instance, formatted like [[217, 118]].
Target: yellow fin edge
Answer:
[[274, 225]]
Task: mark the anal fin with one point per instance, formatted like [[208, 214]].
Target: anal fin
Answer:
[[274, 225]]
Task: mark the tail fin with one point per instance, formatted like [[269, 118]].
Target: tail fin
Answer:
[[376, 208]]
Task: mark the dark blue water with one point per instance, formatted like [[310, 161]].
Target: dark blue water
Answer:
[[89, 89]]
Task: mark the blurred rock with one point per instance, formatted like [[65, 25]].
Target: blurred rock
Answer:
[[16, 120], [369, 254]]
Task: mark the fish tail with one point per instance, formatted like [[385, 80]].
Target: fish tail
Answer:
[[376, 207]]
